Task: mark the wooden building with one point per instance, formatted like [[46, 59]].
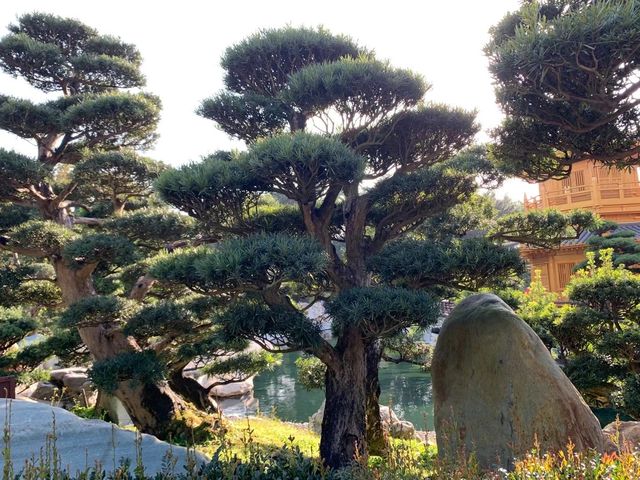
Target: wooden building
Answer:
[[611, 193]]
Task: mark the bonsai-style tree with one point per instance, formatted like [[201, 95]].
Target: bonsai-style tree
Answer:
[[626, 251], [357, 161], [566, 78], [79, 223], [602, 332]]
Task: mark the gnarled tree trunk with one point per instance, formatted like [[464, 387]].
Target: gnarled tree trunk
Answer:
[[151, 406], [344, 424], [375, 432], [191, 390]]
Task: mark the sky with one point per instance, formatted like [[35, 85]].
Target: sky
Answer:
[[182, 42]]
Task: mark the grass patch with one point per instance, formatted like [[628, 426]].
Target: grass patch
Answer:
[[238, 434]]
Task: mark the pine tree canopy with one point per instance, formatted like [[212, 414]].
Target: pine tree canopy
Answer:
[[60, 54], [92, 72], [565, 74], [14, 326], [459, 264]]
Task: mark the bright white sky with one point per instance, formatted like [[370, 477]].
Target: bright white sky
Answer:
[[182, 42]]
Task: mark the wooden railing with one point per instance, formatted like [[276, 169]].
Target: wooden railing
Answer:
[[586, 195]]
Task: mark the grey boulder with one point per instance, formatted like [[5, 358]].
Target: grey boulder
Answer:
[[81, 443], [498, 392]]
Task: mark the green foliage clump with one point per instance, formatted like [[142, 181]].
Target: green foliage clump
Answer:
[[12, 215], [65, 344], [99, 248], [382, 311], [248, 116], [564, 75], [65, 47], [545, 228], [116, 174], [598, 336], [262, 62], [179, 269], [27, 284], [159, 319], [15, 324], [302, 165], [470, 263], [243, 364], [151, 228], [262, 259], [311, 372], [626, 251], [271, 325], [425, 136], [215, 191], [362, 85], [538, 308], [17, 170], [94, 310], [137, 368], [42, 238]]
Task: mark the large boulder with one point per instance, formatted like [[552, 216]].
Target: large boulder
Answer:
[[498, 392], [58, 374], [235, 389], [402, 429], [82, 442], [622, 436], [76, 382]]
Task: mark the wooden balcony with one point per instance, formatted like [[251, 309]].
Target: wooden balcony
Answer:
[[592, 197]]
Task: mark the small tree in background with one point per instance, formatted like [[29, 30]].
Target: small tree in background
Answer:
[[537, 306], [566, 78], [601, 332], [625, 248], [364, 162]]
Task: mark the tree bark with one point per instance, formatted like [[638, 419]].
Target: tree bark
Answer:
[[343, 439], [75, 284], [151, 406], [376, 438], [193, 392]]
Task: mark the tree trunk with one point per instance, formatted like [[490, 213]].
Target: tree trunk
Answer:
[[192, 391], [75, 284], [150, 406], [376, 438], [343, 438]]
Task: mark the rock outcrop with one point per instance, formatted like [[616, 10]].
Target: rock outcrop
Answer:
[[622, 436], [82, 442], [229, 390], [67, 387], [497, 390]]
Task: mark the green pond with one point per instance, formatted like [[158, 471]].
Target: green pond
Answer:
[[405, 387]]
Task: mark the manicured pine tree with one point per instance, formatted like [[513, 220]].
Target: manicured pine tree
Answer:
[[601, 332], [80, 223], [363, 161], [566, 78]]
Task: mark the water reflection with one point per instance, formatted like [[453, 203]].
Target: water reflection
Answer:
[[407, 388]]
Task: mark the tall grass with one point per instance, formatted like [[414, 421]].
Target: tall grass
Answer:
[[244, 458]]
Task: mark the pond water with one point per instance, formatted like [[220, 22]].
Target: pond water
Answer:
[[407, 388]]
